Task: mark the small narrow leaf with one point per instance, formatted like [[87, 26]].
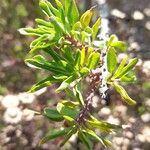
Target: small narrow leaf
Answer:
[[53, 133], [53, 9], [119, 45], [82, 56], [67, 111], [53, 114], [44, 83], [43, 22], [119, 69], [86, 18], [124, 94], [45, 8], [78, 95], [71, 11], [66, 83], [94, 59], [58, 26], [68, 135], [94, 135], [111, 60], [129, 67], [85, 140], [95, 28]]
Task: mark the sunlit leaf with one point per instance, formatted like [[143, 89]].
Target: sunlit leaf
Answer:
[[93, 60], [120, 67], [71, 11], [66, 82], [111, 59], [128, 67], [119, 45], [95, 28], [45, 8], [124, 94], [67, 111], [86, 18]]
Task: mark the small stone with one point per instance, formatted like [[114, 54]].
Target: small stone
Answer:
[[147, 25], [141, 138], [132, 119], [113, 120], [121, 110], [105, 111], [135, 46], [137, 15], [146, 67], [117, 13], [147, 12], [26, 98], [147, 102], [27, 114], [95, 100], [146, 133], [145, 117], [122, 56], [129, 135], [118, 140], [12, 115], [10, 101]]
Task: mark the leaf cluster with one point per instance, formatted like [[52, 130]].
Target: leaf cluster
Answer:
[[68, 41]]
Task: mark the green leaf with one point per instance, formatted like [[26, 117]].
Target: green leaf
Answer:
[[43, 5], [53, 114], [54, 133], [102, 125], [44, 83], [77, 60], [85, 140], [68, 54], [93, 60], [130, 77], [67, 111], [124, 94], [112, 38], [42, 22], [86, 18], [111, 60], [78, 95], [71, 11], [68, 135], [84, 71], [57, 25], [32, 32], [127, 68], [41, 63], [94, 135], [95, 28], [119, 45], [53, 9], [120, 68], [54, 55], [82, 56], [65, 84]]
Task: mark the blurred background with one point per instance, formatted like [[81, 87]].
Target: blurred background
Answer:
[[20, 128]]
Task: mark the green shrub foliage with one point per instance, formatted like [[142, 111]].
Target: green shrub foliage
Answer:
[[68, 39]]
